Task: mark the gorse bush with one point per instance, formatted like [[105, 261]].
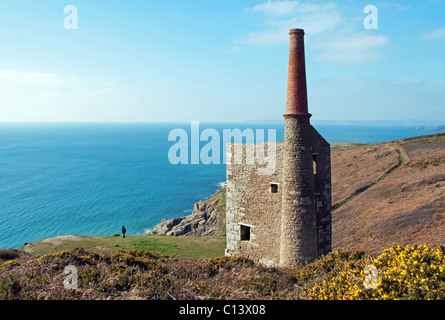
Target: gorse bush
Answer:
[[398, 273]]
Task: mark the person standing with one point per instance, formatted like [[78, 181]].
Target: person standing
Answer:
[[123, 231]]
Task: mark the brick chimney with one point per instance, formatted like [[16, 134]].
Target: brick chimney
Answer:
[[298, 215], [302, 230], [296, 84]]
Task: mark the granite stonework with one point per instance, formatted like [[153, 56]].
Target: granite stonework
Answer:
[[282, 217]]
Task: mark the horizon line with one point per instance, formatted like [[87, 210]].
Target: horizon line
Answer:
[[407, 122]]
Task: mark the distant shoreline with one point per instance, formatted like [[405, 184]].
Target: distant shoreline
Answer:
[[431, 128]]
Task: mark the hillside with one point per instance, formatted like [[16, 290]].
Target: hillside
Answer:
[[382, 194], [389, 201], [403, 273], [405, 207]]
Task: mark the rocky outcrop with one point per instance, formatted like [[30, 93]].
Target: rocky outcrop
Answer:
[[207, 219]]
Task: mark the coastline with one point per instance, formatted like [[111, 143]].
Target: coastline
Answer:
[[195, 224]]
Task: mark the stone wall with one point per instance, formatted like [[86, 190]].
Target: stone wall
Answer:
[[323, 194], [289, 222], [250, 203], [298, 219]]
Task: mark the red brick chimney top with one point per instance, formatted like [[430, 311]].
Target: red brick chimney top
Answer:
[[296, 84]]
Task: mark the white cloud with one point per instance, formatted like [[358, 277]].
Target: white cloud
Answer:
[[354, 48], [394, 5], [287, 7], [236, 49], [333, 36], [275, 7], [434, 35], [285, 15], [30, 78]]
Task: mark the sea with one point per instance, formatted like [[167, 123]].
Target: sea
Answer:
[[92, 179]]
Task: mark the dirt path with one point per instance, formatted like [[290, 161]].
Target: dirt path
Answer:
[[402, 161]]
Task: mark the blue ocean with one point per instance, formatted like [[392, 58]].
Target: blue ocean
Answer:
[[91, 179]]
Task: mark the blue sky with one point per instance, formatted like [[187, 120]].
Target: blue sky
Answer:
[[144, 61]]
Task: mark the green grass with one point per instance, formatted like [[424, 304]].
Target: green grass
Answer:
[[402, 155], [182, 246]]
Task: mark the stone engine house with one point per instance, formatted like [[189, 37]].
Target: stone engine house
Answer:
[[283, 218]]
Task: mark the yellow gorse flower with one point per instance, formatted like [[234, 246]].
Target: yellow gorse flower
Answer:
[[403, 273]]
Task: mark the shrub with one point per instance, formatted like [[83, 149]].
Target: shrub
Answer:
[[214, 265], [398, 273], [402, 273], [9, 254]]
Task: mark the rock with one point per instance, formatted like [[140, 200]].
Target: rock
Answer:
[[199, 206], [207, 219], [166, 225]]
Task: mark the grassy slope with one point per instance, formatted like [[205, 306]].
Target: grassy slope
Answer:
[[182, 246], [189, 247]]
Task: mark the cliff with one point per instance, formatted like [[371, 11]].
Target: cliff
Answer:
[[207, 219]]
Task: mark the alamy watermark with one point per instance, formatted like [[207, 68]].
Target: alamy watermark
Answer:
[[187, 150], [372, 277], [371, 20], [71, 20], [70, 281]]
